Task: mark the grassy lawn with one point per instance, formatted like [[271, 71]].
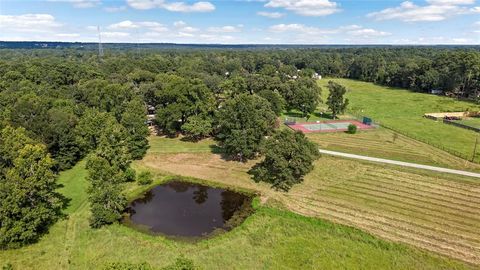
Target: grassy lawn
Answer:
[[274, 237], [383, 144], [403, 110], [472, 122]]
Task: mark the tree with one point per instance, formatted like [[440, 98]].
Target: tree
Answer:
[[335, 101], [197, 127], [303, 95], [134, 119], [277, 103], [243, 122], [289, 156], [90, 128], [28, 200], [107, 170], [180, 99]]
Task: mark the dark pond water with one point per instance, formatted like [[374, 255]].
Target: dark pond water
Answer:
[[188, 210]]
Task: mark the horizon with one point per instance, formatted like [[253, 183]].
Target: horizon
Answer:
[[246, 44]]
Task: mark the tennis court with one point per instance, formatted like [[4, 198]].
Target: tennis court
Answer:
[[328, 126]]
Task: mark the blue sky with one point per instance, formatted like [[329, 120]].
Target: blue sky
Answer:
[[244, 21]]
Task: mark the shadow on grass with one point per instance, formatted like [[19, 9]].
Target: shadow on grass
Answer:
[[215, 149], [323, 115]]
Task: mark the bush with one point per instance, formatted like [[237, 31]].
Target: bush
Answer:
[[130, 175], [181, 263], [352, 129], [144, 178], [8, 266], [127, 266]]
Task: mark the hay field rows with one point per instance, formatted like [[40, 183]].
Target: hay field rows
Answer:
[[381, 143], [436, 212]]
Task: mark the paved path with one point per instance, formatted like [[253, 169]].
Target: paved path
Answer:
[[401, 163]]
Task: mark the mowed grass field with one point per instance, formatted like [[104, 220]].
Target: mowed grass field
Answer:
[[433, 211], [403, 110], [274, 237], [472, 122], [383, 143]]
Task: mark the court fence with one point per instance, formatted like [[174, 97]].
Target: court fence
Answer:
[[470, 157]]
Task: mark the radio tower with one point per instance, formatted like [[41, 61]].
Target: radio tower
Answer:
[[100, 47]]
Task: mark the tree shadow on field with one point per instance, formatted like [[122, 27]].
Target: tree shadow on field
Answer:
[[323, 115], [215, 149]]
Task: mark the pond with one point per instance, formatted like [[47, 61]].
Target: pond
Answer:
[[188, 210]]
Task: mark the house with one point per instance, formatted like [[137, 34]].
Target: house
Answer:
[[316, 76], [150, 109]]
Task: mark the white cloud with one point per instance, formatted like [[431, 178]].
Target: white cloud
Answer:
[[115, 9], [306, 7], [114, 34], [67, 35], [200, 6], [225, 29], [300, 33], [196, 7], [179, 24], [183, 34], [80, 3], [436, 10], [435, 40], [272, 15], [29, 22], [451, 2], [144, 4], [299, 28], [182, 26], [129, 25], [368, 32], [123, 25]]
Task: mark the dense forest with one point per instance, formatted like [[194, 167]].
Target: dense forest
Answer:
[[60, 106]]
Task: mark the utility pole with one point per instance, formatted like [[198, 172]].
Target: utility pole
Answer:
[[100, 47]]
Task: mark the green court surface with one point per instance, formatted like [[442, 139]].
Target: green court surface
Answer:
[[329, 126]]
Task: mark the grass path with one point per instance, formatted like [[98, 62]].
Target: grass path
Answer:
[[400, 163]]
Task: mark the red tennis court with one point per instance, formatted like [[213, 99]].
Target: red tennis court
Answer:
[[328, 126]]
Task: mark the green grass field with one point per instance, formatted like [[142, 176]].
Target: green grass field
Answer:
[[472, 122], [403, 110], [382, 143], [271, 238]]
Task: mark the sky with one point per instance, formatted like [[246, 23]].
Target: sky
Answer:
[[243, 21]]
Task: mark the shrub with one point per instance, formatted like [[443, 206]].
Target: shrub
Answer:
[[144, 178], [130, 175], [352, 129], [181, 263], [127, 266], [8, 266]]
